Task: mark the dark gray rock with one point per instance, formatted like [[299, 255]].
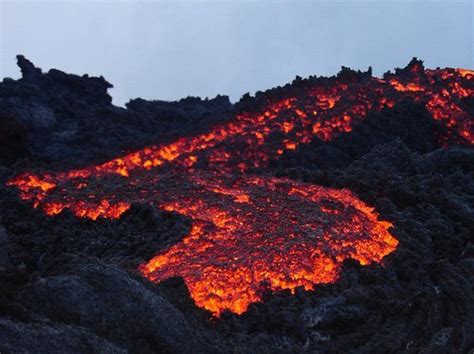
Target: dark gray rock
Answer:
[[442, 159], [36, 117], [45, 337], [330, 312], [108, 301], [13, 139], [27, 68], [392, 158], [4, 248]]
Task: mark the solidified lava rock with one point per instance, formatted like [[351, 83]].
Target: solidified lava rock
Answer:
[[71, 284], [4, 249], [64, 114], [13, 138], [44, 336], [109, 302], [28, 69]]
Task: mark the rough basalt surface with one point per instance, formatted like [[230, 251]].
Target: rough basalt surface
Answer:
[[71, 285]]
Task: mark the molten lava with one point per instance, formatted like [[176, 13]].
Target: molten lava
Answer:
[[251, 233]]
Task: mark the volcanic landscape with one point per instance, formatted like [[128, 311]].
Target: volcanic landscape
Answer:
[[328, 215]]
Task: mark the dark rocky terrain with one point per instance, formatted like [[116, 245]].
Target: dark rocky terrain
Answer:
[[71, 284]]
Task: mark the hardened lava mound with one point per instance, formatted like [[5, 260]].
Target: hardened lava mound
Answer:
[[331, 215]]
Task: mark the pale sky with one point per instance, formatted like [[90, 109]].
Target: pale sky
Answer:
[[169, 50]]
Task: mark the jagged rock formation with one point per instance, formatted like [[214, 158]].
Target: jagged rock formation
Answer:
[[64, 114]]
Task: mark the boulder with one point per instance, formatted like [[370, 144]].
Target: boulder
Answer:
[[44, 337], [108, 301]]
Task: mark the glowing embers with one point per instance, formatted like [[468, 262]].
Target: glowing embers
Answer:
[[252, 232], [90, 209]]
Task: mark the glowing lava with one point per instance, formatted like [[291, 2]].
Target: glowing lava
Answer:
[[255, 232], [252, 232]]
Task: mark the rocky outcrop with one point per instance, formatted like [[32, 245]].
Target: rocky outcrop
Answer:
[[28, 69], [46, 337], [109, 302], [70, 119]]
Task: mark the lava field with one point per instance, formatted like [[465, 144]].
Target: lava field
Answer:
[[332, 214]]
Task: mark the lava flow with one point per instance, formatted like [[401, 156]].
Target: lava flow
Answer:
[[250, 233], [253, 233]]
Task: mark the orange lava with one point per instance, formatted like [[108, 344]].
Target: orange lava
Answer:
[[249, 232], [253, 233]]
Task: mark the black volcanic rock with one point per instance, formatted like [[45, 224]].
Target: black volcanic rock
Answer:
[[109, 302], [13, 138], [442, 159], [28, 69], [46, 337], [4, 248], [70, 119]]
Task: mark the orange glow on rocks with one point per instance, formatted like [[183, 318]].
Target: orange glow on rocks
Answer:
[[251, 233]]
